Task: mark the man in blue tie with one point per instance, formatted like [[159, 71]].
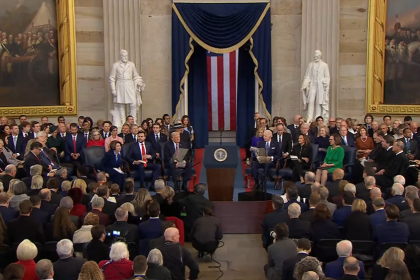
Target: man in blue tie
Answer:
[[273, 154], [346, 138]]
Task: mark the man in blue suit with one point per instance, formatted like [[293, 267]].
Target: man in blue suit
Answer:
[[342, 213], [7, 213], [73, 145], [143, 151], [152, 228], [347, 139], [16, 142], [335, 269], [397, 197], [392, 231], [156, 138], [379, 217], [273, 152]]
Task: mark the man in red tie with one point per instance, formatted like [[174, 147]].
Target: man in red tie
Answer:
[[73, 145], [32, 158], [141, 156]]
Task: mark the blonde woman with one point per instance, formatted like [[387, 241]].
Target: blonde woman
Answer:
[[81, 184], [168, 208], [90, 271], [36, 184], [322, 141], [83, 235], [381, 269], [140, 202], [132, 214], [10, 192], [357, 225]]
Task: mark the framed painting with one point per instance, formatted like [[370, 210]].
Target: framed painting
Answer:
[[393, 65], [37, 58]]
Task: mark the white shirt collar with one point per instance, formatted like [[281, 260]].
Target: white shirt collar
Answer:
[[390, 147], [399, 153]]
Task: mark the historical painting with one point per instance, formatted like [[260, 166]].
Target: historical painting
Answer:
[[393, 72], [29, 56], [37, 50]]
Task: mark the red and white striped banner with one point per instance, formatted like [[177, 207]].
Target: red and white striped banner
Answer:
[[222, 80]]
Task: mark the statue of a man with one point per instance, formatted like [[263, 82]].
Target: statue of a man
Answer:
[[315, 88], [126, 85]]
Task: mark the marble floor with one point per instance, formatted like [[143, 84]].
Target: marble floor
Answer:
[[242, 257]]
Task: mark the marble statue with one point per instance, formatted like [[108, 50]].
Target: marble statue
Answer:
[[126, 86], [315, 89]]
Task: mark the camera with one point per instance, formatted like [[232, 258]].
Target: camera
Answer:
[[273, 234]]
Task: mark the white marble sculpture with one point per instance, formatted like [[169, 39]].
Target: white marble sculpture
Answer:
[[126, 86], [315, 89]]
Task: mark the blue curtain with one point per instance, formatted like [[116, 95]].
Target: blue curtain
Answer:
[[220, 28]]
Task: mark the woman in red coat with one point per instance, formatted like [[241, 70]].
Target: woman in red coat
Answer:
[[78, 208], [95, 139], [26, 253], [119, 267]]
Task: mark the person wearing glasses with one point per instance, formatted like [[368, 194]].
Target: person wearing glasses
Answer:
[[333, 159], [114, 137], [112, 164], [95, 139]]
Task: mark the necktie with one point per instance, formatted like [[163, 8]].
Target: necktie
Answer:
[[14, 141], [408, 144], [26, 135], [267, 147], [344, 140], [74, 145], [87, 137], [46, 155], [117, 157], [176, 151], [135, 137], [106, 135], [280, 139], [157, 138], [143, 153], [62, 135]]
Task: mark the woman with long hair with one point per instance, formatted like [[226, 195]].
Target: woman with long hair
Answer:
[[132, 215], [381, 269], [19, 195], [322, 226], [185, 120], [10, 192], [357, 225], [95, 139], [303, 151], [398, 271], [412, 260], [145, 126], [37, 184], [168, 207], [90, 271], [323, 142], [140, 201], [55, 141], [61, 227]]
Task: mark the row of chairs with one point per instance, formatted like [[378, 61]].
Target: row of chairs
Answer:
[[93, 157]]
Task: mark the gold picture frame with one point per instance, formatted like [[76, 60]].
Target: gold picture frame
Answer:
[[375, 70], [67, 69]]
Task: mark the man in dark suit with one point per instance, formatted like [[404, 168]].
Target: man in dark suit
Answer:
[[32, 158], [46, 205], [304, 130], [412, 220], [37, 214], [143, 151], [397, 166], [303, 248], [82, 173], [97, 250], [335, 269], [411, 144], [294, 128], [156, 138], [384, 158], [292, 195], [97, 205], [342, 213], [273, 154], [314, 199], [127, 231], [347, 139], [305, 190], [351, 269], [411, 193], [25, 227], [7, 213], [53, 184], [109, 207], [392, 231], [128, 193], [298, 228], [125, 131], [105, 131], [172, 163], [397, 197], [159, 187], [279, 215], [194, 205], [132, 137], [379, 217], [16, 142], [10, 171], [73, 145], [337, 176], [284, 138], [363, 189], [152, 228], [67, 267]]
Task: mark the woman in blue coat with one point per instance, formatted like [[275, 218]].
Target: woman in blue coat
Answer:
[[112, 164]]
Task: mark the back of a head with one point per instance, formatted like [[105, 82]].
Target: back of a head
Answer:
[[200, 189], [350, 188], [101, 177], [65, 186], [281, 230], [309, 177], [323, 192], [102, 191], [314, 199], [3, 198], [35, 170], [308, 264], [348, 198], [19, 188], [53, 183], [26, 251], [398, 270], [344, 248], [44, 194], [83, 170], [129, 187], [292, 193], [338, 173], [25, 207], [159, 185], [310, 275], [153, 209], [398, 189], [370, 181], [294, 210], [64, 248], [97, 231], [416, 205], [44, 269], [392, 212], [118, 251], [66, 202], [277, 201], [121, 214], [139, 264], [35, 200], [304, 244], [378, 202], [98, 202], [351, 265], [155, 257], [399, 179]]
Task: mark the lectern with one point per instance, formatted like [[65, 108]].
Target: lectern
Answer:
[[221, 163]]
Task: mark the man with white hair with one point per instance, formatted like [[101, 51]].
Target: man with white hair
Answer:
[[363, 189], [44, 269], [97, 206], [67, 267], [335, 269], [273, 154], [349, 187], [159, 187], [397, 196], [399, 179], [119, 265], [304, 130], [126, 230], [323, 193], [297, 228], [176, 257], [411, 193], [379, 217], [305, 190]]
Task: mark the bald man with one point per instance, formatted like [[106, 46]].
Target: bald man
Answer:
[[351, 269], [176, 257], [310, 275], [270, 153]]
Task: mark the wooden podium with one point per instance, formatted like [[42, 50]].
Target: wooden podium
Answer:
[[221, 174]]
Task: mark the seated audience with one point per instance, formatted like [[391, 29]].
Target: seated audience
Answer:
[[65, 187], [140, 267], [392, 231], [364, 143], [176, 257], [37, 183], [44, 269], [90, 271], [397, 197], [308, 264], [119, 266], [303, 250], [25, 227], [335, 269], [381, 269], [351, 269], [363, 189], [304, 153], [338, 199], [322, 226], [357, 225], [333, 187], [53, 185], [297, 228], [74, 142], [67, 267], [379, 217], [333, 159], [132, 215], [412, 260], [83, 235], [127, 231], [13, 271], [78, 208], [151, 228], [112, 161], [413, 221], [128, 194], [113, 137], [314, 200], [305, 190], [206, 233], [97, 207], [341, 214], [46, 205], [282, 249], [279, 215], [97, 250], [159, 188], [292, 196], [168, 207], [67, 202], [155, 268], [7, 213], [61, 227], [26, 253], [19, 194], [37, 214], [411, 193], [32, 158], [287, 185], [108, 207], [95, 139], [324, 193], [81, 184]]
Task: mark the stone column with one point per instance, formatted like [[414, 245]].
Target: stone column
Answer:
[[121, 31], [320, 31]]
